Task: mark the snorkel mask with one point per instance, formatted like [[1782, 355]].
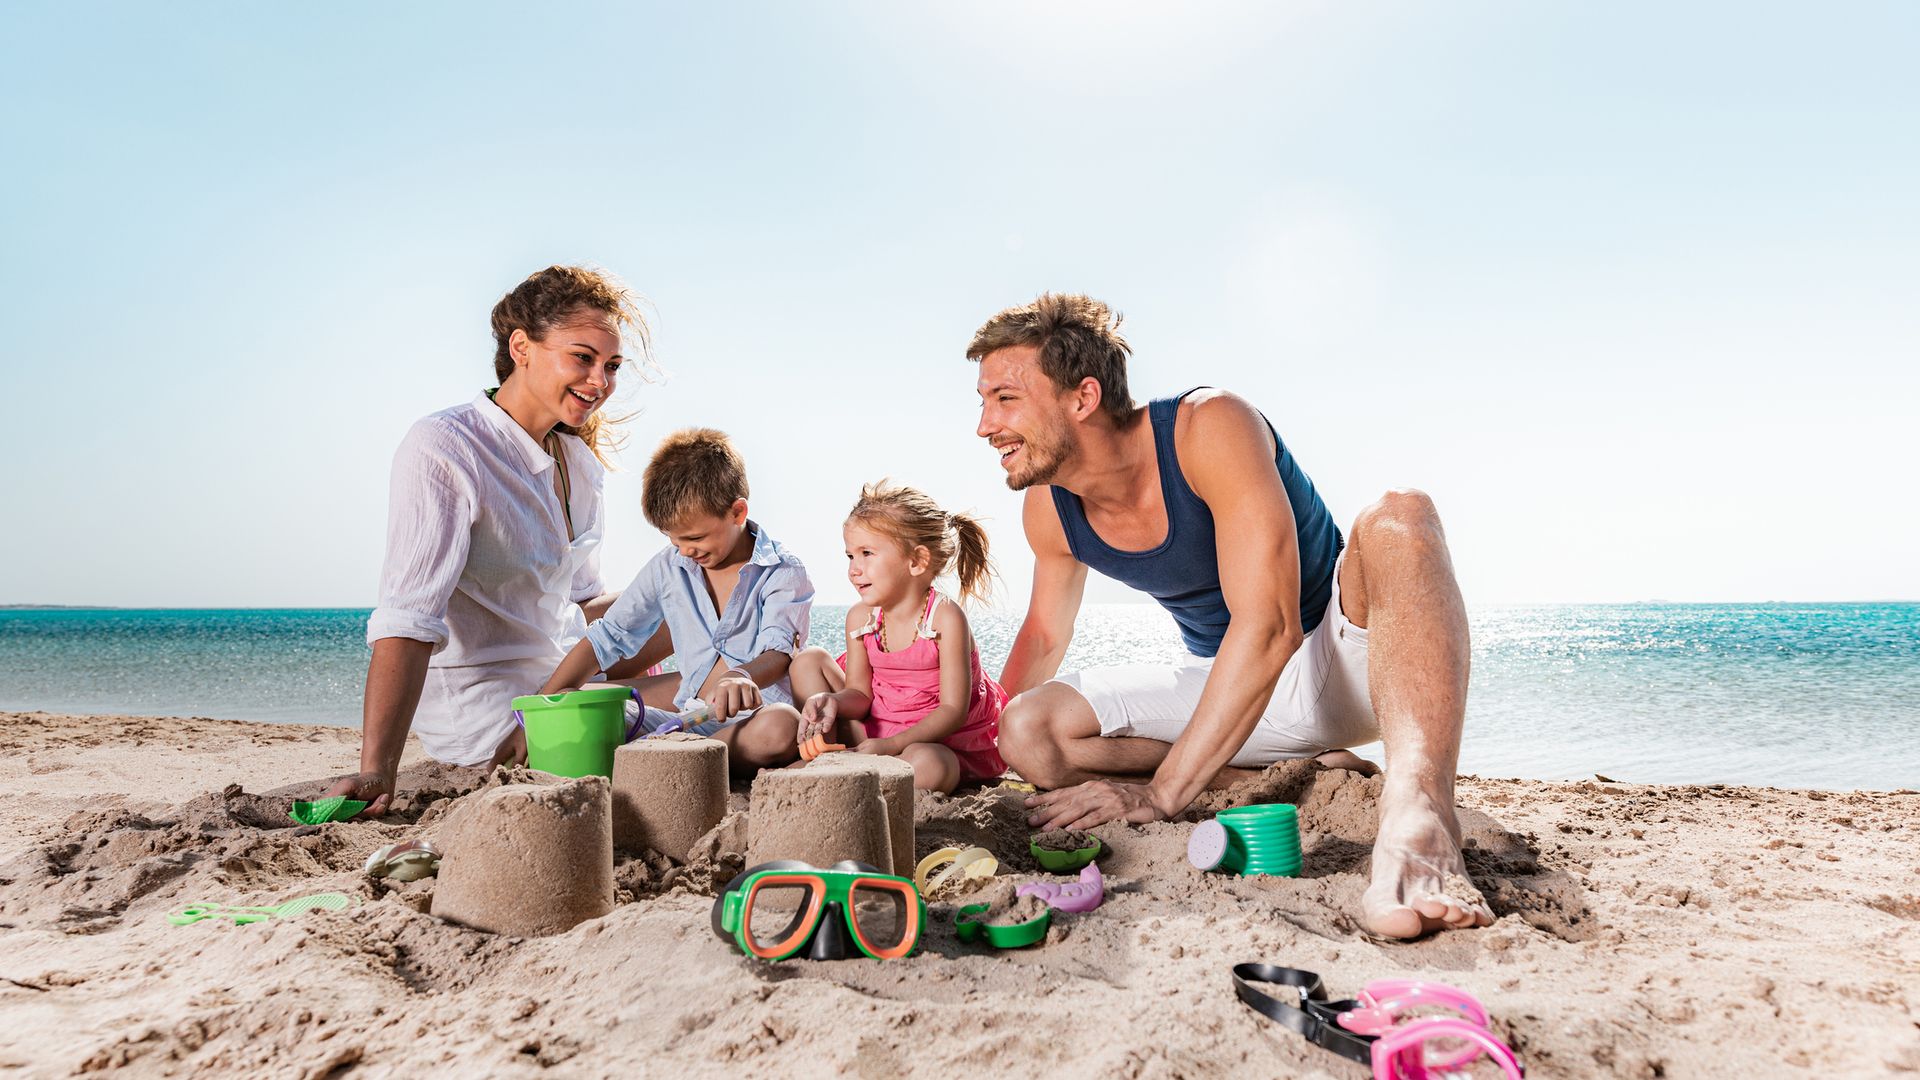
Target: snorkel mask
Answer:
[[782, 909]]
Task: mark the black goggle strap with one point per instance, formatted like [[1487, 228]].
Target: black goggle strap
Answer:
[[1313, 1019]]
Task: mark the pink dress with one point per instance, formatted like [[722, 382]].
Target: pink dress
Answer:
[[906, 687]]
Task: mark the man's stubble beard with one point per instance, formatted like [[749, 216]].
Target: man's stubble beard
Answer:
[[1056, 454]]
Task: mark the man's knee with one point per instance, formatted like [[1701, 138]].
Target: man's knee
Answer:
[[1030, 738], [1401, 516], [1026, 743]]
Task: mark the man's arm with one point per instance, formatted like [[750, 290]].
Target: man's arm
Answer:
[[1059, 581], [1226, 453]]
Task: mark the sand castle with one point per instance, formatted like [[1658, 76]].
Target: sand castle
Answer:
[[528, 859], [668, 791], [841, 806]]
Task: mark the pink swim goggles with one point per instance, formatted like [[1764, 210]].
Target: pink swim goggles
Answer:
[[1381, 1028]]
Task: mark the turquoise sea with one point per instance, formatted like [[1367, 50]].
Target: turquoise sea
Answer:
[[1792, 695]]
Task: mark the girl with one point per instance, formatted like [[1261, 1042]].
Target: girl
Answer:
[[910, 684]]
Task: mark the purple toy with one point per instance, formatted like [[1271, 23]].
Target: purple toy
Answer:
[[1076, 898]]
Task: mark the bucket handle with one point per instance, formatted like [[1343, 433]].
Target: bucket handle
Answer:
[[520, 718]]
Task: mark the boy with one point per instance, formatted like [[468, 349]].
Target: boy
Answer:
[[734, 602]]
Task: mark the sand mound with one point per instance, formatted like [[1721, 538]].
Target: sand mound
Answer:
[[667, 791], [1642, 933], [528, 860]]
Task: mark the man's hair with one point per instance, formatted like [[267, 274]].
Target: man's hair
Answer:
[[1077, 336], [694, 471]]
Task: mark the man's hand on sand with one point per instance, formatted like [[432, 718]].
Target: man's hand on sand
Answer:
[[1095, 802], [512, 751], [373, 788]]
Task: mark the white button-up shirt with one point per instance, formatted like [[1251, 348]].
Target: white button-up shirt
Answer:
[[478, 564], [767, 611]]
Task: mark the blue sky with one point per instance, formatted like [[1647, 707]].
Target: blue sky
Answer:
[[1628, 288]]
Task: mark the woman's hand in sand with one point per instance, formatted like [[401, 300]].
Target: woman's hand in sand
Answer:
[[512, 750], [1095, 802], [373, 788], [817, 717]]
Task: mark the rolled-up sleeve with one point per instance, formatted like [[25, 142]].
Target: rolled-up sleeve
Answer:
[[633, 618], [786, 609], [430, 515]]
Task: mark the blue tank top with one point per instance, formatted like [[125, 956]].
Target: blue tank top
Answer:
[[1183, 573]]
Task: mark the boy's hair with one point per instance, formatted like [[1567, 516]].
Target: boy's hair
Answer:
[[1078, 337], [694, 471], [910, 516]]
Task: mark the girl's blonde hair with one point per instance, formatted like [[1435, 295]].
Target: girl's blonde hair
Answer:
[[910, 516]]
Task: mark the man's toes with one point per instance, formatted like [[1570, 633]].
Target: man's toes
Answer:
[[1396, 922]]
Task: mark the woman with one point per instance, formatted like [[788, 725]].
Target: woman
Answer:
[[494, 517]]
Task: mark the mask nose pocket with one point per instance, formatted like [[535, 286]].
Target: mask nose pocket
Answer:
[[830, 941]]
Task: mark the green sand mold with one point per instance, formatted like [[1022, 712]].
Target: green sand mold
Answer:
[[241, 916], [321, 811], [1017, 936], [1063, 862]]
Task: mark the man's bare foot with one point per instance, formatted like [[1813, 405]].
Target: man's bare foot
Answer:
[[1348, 760], [1419, 881]]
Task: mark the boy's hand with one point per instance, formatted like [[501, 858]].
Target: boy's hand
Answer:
[[512, 751], [736, 693], [817, 717]]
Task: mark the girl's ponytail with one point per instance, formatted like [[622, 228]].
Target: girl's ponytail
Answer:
[[971, 564]]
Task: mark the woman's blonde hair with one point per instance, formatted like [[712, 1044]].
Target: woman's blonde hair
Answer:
[[548, 299], [910, 516]]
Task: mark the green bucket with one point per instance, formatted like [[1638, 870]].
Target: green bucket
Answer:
[[574, 734]]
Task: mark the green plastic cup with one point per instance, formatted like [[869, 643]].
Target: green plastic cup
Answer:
[[574, 734], [1249, 840]]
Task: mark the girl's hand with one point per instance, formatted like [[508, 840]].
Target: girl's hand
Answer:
[[736, 693], [817, 717], [886, 747]]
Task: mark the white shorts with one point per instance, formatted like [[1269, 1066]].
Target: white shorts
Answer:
[[1320, 703]]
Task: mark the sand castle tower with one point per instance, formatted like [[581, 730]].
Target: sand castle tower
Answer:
[[896, 790], [667, 792], [528, 859], [841, 806]]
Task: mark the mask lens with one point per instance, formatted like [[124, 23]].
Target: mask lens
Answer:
[[777, 912], [882, 916], [1466, 1054]]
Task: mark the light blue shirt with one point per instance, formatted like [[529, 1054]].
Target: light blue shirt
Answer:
[[768, 610]]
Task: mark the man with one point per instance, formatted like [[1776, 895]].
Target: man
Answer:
[[1299, 647]]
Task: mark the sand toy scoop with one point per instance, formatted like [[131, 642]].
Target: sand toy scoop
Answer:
[[241, 916]]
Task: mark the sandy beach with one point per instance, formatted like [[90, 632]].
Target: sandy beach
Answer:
[[1643, 931]]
